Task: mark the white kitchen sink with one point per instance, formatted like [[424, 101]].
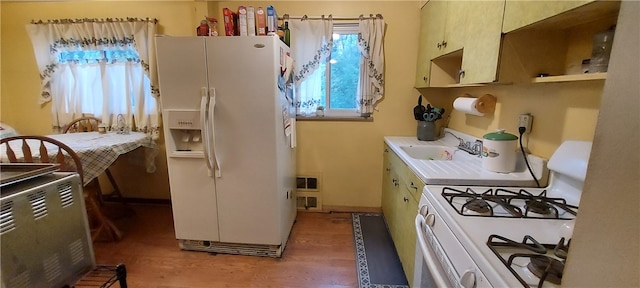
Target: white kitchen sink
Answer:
[[429, 152]]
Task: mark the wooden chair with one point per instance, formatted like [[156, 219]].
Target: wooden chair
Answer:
[[90, 124], [83, 124], [69, 162]]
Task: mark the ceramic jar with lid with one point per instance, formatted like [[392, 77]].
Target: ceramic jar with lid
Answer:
[[499, 151]]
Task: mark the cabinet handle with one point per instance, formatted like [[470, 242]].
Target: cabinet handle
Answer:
[[386, 150], [388, 170], [425, 78], [439, 45], [406, 199], [461, 73], [444, 44], [413, 186], [395, 182]]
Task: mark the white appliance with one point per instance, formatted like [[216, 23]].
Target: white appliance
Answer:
[[44, 231], [226, 108], [472, 236]]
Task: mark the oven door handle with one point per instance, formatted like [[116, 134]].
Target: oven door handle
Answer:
[[438, 278]]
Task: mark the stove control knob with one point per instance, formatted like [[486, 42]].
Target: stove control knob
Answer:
[[468, 279], [424, 210], [566, 230], [430, 220]]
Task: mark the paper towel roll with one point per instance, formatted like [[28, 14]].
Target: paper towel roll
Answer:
[[467, 105]]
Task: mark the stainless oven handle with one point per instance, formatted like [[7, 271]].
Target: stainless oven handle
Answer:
[[424, 232]]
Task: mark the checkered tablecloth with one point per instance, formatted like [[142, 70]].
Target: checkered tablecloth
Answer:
[[96, 151]]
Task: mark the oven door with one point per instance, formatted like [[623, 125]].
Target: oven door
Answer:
[[441, 260]]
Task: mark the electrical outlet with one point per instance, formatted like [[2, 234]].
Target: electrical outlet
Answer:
[[524, 120]]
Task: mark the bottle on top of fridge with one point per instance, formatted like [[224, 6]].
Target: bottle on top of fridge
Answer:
[[203, 29], [287, 33], [213, 26]]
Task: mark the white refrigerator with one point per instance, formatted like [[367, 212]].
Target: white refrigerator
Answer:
[[229, 130]]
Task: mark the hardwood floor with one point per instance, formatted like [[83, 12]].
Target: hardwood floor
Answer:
[[320, 253]]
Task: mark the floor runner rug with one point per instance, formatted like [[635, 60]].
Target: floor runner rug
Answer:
[[376, 257]]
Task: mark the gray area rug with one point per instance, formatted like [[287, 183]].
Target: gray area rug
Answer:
[[376, 257]]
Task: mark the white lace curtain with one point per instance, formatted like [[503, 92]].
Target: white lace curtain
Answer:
[[98, 67], [371, 82], [311, 47]]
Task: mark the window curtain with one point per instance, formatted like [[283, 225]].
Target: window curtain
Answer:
[[310, 47], [371, 82], [100, 67]]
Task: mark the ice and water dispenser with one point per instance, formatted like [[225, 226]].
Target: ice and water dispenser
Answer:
[[185, 131]]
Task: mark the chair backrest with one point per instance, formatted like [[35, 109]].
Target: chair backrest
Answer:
[[48, 150], [83, 124]]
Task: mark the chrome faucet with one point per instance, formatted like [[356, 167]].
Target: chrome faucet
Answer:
[[459, 139], [474, 148], [477, 148]]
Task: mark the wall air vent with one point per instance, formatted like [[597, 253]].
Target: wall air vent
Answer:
[[304, 183], [309, 194], [307, 202]]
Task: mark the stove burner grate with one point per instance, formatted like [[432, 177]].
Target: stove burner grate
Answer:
[[535, 206], [478, 205], [540, 207], [546, 268]]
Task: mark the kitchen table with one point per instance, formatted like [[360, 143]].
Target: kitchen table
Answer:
[[96, 151]]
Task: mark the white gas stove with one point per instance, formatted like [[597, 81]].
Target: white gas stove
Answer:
[[480, 236]]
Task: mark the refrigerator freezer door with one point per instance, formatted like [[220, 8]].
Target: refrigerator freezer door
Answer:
[[181, 71], [182, 76], [193, 200]]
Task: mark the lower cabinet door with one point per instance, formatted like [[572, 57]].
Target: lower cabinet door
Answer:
[[406, 240]]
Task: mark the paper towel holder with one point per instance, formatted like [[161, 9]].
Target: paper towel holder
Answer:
[[486, 103]]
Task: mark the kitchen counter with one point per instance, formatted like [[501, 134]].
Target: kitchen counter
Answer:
[[468, 171]]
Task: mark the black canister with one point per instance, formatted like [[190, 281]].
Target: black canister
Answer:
[[426, 131]]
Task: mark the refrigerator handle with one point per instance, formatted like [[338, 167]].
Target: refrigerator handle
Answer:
[[212, 105], [205, 127]]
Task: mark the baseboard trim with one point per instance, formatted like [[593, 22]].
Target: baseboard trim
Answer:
[[332, 208]]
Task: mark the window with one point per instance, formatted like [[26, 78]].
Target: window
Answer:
[[109, 80], [341, 72], [338, 65]]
